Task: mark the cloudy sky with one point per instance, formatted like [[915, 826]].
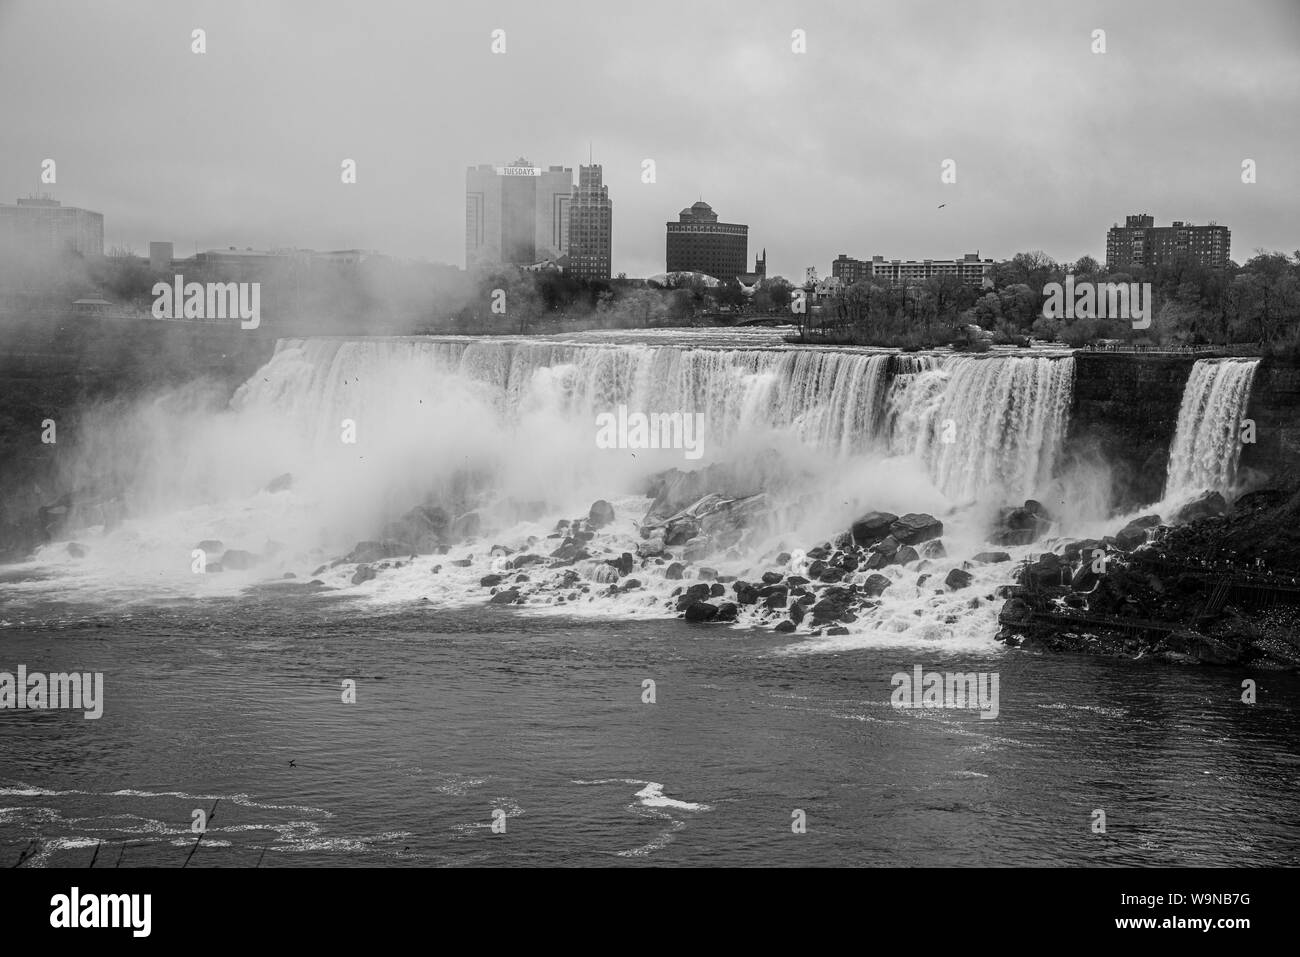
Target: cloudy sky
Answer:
[[835, 150]]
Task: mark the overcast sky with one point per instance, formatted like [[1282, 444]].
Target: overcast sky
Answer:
[[835, 150]]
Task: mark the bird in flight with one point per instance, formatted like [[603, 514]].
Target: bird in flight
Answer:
[[942, 205]]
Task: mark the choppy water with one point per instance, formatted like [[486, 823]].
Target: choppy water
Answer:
[[460, 714]]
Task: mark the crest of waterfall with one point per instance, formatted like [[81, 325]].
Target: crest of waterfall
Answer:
[[985, 424], [830, 400], [1207, 441]]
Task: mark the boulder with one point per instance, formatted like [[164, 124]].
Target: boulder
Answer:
[[423, 528], [1131, 536], [701, 611], [875, 585], [238, 559], [785, 627], [916, 527], [727, 611], [746, 594], [907, 554], [992, 558], [600, 514], [488, 581], [887, 546], [374, 551], [932, 549], [674, 571], [830, 608], [872, 527], [505, 596], [363, 574], [957, 579], [1211, 503], [772, 578], [76, 550]]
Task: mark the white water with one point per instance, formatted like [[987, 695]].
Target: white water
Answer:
[[507, 427], [1207, 442]]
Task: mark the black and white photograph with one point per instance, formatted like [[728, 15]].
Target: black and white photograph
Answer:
[[733, 435]]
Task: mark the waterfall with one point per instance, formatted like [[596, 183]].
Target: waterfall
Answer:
[[829, 400], [979, 425], [985, 425], [1207, 442]]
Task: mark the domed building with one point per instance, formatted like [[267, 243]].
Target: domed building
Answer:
[[697, 242]]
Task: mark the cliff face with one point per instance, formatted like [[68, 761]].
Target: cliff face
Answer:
[[50, 368], [1275, 409], [1125, 412]]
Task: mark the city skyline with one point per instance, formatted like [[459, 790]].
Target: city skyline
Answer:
[[242, 145]]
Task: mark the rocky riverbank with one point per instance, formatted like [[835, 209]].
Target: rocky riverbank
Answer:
[[1218, 585]]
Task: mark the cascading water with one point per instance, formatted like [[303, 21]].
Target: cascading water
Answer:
[[986, 424], [506, 429], [1207, 442]]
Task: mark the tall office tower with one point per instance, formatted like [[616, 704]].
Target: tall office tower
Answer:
[[591, 215], [516, 214]]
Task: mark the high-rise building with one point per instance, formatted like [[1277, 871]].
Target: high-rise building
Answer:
[[591, 216], [1140, 242], [697, 242], [970, 269], [39, 222], [516, 214]]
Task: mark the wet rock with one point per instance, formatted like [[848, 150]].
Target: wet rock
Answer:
[[704, 573], [888, 547], [875, 585], [957, 579], [916, 527], [837, 630], [992, 558], [1048, 570], [363, 574], [651, 547], [797, 612], [238, 560], [727, 611], [746, 594], [717, 590], [701, 611], [1131, 536], [280, 483], [376, 551], [505, 596], [76, 550], [785, 627], [600, 514], [932, 549], [674, 571], [872, 527], [772, 578], [906, 555], [423, 528], [488, 581]]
